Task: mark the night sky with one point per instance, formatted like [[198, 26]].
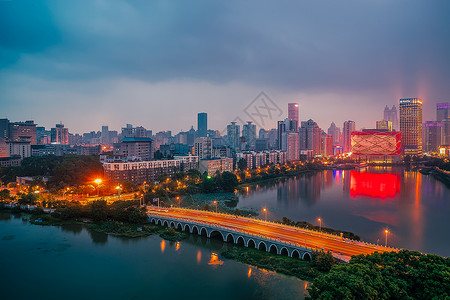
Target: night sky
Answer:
[[159, 63]]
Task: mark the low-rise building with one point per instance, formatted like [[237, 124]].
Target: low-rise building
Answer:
[[211, 166]]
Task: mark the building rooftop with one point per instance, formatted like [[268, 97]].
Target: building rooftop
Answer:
[[136, 139]]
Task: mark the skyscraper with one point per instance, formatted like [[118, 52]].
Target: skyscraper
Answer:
[[249, 133], [411, 125], [311, 137], [386, 125], [203, 147], [327, 144], [442, 111], [59, 135], [432, 136], [391, 115], [293, 116], [292, 151], [335, 132], [281, 138], [349, 127], [202, 124], [233, 135]]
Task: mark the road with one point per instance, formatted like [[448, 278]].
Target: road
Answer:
[[341, 248]]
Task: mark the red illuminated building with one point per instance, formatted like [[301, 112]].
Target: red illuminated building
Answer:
[[376, 145]]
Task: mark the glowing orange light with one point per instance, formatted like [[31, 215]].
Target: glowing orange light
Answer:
[[163, 246], [264, 209], [98, 181], [215, 260], [386, 231], [199, 256], [249, 272], [177, 247]]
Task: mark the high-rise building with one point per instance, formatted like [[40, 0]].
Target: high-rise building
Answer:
[[202, 124], [386, 125], [4, 128], [60, 135], [293, 116], [335, 132], [446, 132], [233, 135], [442, 111], [327, 144], [141, 148], [249, 134], [105, 135], [432, 137], [203, 147], [23, 131], [390, 114], [348, 128], [281, 136], [293, 150], [411, 125], [311, 137]]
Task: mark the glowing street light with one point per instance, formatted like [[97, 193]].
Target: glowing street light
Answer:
[[177, 198], [98, 181], [320, 224], [215, 203], [265, 213], [386, 232], [119, 189], [64, 194]]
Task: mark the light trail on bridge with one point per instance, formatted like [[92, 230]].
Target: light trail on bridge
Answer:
[[341, 248]]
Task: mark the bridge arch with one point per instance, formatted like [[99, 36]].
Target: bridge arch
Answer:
[[306, 256], [186, 226], [240, 241], [165, 223], [262, 246], [230, 238], [251, 243], [295, 254], [179, 227], [216, 233], [153, 221], [172, 224], [203, 231], [273, 249], [195, 230], [284, 251]]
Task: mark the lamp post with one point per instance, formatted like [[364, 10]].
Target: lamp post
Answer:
[[64, 194], [215, 203], [386, 232], [320, 224], [119, 189], [177, 198], [265, 213], [98, 181]]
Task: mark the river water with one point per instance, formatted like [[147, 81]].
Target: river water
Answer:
[[70, 262], [414, 207]]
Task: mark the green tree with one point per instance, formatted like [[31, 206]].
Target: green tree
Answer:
[[242, 164], [28, 199], [228, 181], [99, 211]]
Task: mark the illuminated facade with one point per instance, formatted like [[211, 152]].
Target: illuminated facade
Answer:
[[376, 145], [386, 125], [293, 114], [411, 125]]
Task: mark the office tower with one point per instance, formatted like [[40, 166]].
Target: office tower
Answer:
[[390, 114], [293, 116], [335, 132], [233, 135], [385, 125], [292, 146], [442, 111], [263, 134], [349, 127], [105, 135], [203, 147], [140, 132], [249, 134], [141, 148], [311, 137], [272, 136], [281, 138], [327, 144], [4, 128], [432, 137], [446, 132], [23, 131], [59, 135], [411, 125], [202, 124]]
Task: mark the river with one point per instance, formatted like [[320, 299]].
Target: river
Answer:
[[415, 208], [71, 262]]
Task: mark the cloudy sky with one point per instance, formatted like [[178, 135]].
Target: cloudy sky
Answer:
[[159, 63]]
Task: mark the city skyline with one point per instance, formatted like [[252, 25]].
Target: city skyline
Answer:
[[59, 68]]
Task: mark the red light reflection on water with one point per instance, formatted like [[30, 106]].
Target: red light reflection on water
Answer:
[[374, 185]]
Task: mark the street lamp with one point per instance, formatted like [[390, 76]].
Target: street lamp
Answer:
[[386, 232], [215, 203], [177, 198], [265, 213], [64, 194], [98, 181], [320, 224], [119, 189]]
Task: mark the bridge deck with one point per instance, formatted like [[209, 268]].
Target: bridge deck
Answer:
[[341, 248]]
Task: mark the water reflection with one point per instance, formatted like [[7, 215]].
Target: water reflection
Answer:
[[214, 260], [99, 238], [374, 185], [163, 246], [199, 256]]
